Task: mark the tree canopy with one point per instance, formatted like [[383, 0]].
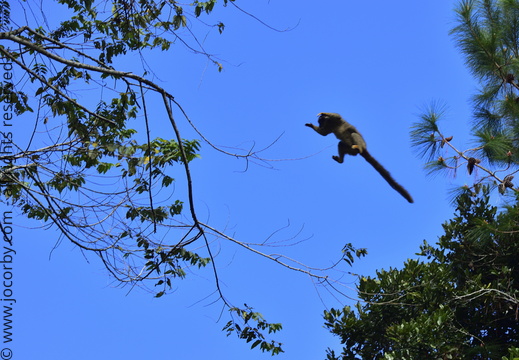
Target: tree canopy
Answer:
[[457, 301]]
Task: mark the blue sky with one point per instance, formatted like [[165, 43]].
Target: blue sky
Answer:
[[377, 63]]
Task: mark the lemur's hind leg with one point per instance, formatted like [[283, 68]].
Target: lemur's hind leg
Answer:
[[345, 149]]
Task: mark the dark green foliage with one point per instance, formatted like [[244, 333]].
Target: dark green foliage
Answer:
[[487, 33], [16, 101], [253, 332], [423, 132], [348, 251], [458, 301]]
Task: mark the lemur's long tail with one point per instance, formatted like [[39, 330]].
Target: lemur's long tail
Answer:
[[386, 175]]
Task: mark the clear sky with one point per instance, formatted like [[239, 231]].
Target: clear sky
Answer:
[[377, 63]]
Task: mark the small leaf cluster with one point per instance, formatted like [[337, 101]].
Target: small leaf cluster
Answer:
[[168, 263], [253, 332], [348, 252], [16, 101]]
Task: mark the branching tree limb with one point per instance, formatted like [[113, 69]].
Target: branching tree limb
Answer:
[[89, 174]]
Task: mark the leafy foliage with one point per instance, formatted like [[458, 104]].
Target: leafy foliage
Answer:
[[99, 181], [250, 332], [90, 168], [132, 25], [487, 35], [459, 304]]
